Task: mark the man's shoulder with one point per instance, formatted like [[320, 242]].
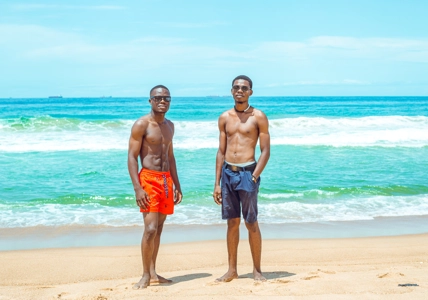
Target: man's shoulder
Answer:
[[222, 119], [169, 123], [226, 113], [258, 113], [142, 121]]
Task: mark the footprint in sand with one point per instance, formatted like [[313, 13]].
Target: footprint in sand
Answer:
[[310, 277], [326, 272], [388, 275], [278, 280], [314, 274], [259, 282]]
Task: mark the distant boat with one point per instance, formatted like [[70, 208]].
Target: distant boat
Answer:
[[55, 96]]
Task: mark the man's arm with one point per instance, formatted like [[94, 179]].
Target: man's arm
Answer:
[[220, 158], [178, 196], [135, 142], [264, 139]]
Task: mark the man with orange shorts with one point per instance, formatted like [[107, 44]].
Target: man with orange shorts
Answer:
[[158, 185], [157, 188]]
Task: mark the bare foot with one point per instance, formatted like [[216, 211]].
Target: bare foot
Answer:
[[229, 276], [159, 279], [143, 283], [258, 276]]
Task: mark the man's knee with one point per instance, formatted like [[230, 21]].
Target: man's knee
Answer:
[[160, 228], [161, 221], [252, 227], [233, 223], [150, 231]]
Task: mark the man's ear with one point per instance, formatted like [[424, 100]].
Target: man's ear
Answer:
[[251, 92]]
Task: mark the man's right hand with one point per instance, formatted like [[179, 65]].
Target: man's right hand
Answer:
[[142, 198], [217, 195]]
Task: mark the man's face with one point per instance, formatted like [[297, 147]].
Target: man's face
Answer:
[[159, 100], [241, 90]]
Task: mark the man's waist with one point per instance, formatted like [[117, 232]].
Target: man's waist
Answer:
[[154, 172], [236, 168]]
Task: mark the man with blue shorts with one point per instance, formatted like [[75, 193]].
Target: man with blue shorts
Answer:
[[237, 177]]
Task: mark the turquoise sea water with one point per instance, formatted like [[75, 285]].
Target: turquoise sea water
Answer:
[[63, 161]]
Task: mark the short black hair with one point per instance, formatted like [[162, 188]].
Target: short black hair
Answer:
[[159, 86], [245, 78]]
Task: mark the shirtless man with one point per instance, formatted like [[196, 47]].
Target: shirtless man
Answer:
[[157, 188], [237, 177]]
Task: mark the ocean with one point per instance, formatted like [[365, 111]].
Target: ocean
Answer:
[[63, 161]]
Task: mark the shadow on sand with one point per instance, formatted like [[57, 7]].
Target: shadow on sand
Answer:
[[270, 275], [189, 277]]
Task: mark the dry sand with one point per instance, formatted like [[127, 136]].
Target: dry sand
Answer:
[[356, 268]]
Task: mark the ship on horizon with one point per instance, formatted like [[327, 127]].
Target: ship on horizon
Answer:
[[55, 96]]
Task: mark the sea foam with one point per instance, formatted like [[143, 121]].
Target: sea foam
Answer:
[[50, 134], [278, 212]]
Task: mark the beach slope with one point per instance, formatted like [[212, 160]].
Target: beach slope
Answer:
[[356, 268]]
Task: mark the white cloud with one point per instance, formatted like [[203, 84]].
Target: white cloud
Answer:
[[158, 40], [38, 42], [317, 62], [42, 45], [345, 48], [364, 43], [320, 83], [190, 25], [66, 7]]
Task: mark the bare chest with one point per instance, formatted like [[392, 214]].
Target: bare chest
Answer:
[[239, 127], [158, 134]]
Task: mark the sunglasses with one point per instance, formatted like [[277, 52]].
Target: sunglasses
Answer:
[[241, 87], [159, 98]]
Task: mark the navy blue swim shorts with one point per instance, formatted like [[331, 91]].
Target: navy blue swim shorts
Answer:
[[238, 190]]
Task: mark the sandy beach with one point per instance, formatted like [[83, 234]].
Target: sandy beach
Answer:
[[339, 268]]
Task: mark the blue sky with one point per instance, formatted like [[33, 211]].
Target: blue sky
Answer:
[[289, 48]]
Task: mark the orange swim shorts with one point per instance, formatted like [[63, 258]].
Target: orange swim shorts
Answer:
[[159, 186]]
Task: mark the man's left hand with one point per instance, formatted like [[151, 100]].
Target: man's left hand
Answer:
[[178, 196]]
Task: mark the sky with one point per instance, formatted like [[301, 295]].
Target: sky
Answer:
[[95, 48]]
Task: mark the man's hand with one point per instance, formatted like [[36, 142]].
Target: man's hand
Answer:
[[217, 195], [142, 198], [178, 196]]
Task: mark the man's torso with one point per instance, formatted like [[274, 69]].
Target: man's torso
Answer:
[[156, 143], [242, 134]]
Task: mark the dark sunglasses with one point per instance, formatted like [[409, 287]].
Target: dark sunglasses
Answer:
[[242, 87], [159, 98]]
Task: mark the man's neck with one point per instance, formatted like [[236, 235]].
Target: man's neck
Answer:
[[242, 107], [158, 117]]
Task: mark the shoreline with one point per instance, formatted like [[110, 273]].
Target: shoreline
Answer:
[[99, 236], [338, 268]]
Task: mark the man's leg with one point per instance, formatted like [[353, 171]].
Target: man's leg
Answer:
[[153, 275], [255, 239], [232, 249], [147, 247]]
